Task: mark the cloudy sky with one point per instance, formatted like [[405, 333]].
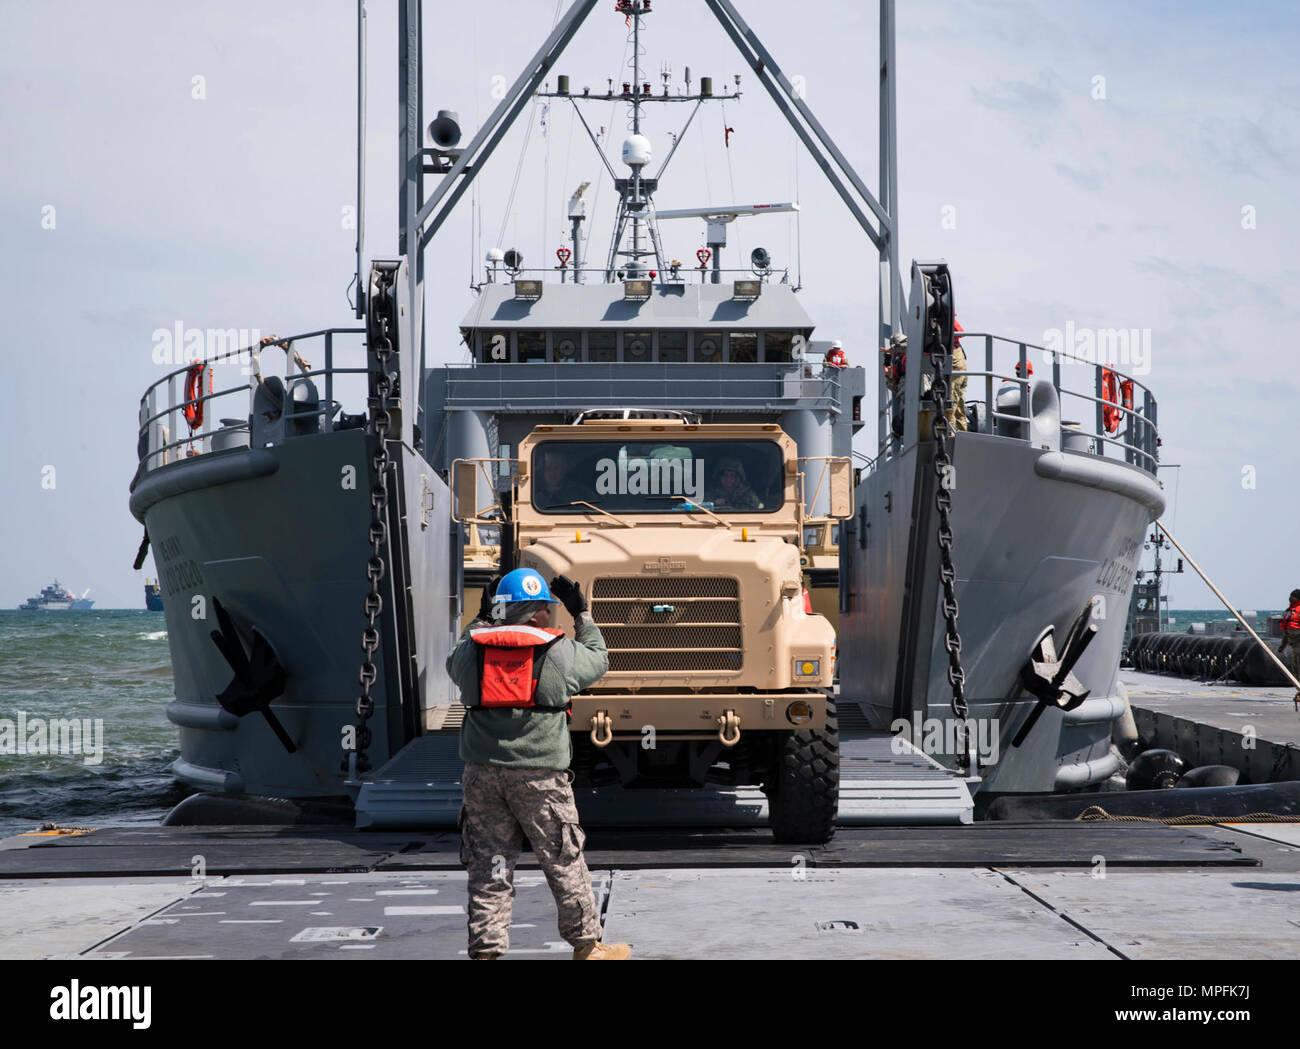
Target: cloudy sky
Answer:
[[1098, 164]]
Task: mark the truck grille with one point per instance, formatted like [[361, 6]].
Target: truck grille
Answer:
[[696, 628]]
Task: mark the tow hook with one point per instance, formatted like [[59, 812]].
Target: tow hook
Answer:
[[602, 729], [729, 728]]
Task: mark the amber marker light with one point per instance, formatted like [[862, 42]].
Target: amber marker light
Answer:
[[799, 712]]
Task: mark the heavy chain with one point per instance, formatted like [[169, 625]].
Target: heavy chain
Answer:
[[943, 503], [373, 605]]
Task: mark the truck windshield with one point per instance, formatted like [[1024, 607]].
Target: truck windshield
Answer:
[[643, 477]]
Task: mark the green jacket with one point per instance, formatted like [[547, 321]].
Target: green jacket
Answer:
[[519, 738]]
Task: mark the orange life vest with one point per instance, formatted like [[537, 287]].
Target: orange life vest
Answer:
[[1291, 620], [510, 661]]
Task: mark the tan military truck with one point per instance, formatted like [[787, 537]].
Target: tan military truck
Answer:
[[687, 539]]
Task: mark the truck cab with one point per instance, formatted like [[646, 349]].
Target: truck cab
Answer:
[[688, 540]]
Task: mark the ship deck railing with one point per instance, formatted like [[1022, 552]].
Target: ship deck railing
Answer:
[[550, 387], [1080, 388], [595, 274], [159, 425]]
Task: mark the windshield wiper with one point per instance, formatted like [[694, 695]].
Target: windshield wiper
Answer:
[[582, 502], [690, 504]]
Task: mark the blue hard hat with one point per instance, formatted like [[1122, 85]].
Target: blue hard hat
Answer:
[[523, 584]]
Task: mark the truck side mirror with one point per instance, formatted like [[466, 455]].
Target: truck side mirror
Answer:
[[465, 482], [841, 488]]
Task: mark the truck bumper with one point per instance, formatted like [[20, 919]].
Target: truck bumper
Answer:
[[691, 715]]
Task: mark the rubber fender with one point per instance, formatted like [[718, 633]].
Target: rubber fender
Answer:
[[1209, 776], [1155, 770], [1225, 803], [1258, 669], [215, 810], [1237, 657]]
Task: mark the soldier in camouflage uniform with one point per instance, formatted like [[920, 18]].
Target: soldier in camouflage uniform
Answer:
[[517, 780]]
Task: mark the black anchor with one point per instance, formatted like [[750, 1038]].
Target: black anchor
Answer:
[[259, 677]]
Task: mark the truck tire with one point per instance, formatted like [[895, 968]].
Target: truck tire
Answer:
[[803, 791]]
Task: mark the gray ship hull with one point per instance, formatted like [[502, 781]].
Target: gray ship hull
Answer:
[[1038, 536], [277, 536]]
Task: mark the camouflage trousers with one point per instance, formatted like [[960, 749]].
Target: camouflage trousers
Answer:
[[502, 805], [956, 413], [1291, 657]]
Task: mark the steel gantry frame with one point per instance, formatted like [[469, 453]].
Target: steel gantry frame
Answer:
[[420, 218]]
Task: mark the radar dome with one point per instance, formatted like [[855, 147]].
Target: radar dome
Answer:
[[636, 151]]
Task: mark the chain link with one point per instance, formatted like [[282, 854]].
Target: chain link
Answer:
[[943, 432], [376, 569]]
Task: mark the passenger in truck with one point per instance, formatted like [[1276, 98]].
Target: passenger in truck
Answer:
[[730, 489]]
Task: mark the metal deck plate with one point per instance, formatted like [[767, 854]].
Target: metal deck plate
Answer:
[[1178, 914], [375, 915], [973, 914]]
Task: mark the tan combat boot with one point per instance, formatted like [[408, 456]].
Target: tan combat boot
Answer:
[[602, 952]]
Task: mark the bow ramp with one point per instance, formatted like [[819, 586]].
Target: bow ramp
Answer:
[[420, 787]]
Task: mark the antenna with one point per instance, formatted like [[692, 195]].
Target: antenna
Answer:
[[716, 222], [635, 239]]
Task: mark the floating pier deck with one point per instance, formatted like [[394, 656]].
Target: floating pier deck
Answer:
[[878, 889]]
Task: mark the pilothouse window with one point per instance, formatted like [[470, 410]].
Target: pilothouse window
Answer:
[[495, 347], [708, 347], [602, 346], [532, 347], [667, 475], [636, 347], [568, 346], [672, 346], [744, 347], [776, 347]]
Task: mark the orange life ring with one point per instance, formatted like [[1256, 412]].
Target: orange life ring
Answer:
[[193, 407], [1110, 394]]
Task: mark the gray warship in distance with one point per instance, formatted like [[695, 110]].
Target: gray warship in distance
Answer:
[[981, 580], [57, 598]]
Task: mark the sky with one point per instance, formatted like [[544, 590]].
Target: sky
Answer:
[[1085, 165]]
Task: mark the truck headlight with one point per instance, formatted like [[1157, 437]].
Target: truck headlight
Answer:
[[807, 667]]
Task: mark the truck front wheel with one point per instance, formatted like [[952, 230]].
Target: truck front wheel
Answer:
[[803, 786]]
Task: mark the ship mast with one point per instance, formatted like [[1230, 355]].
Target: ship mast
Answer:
[[421, 217], [636, 228]]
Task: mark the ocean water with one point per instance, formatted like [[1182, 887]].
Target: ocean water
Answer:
[[1181, 618], [110, 667]]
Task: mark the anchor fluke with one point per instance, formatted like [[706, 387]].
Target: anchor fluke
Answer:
[[259, 677], [1050, 679]]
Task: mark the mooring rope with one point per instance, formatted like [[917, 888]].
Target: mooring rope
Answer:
[[1096, 812]]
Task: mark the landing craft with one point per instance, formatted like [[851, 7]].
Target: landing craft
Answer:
[[331, 521]]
